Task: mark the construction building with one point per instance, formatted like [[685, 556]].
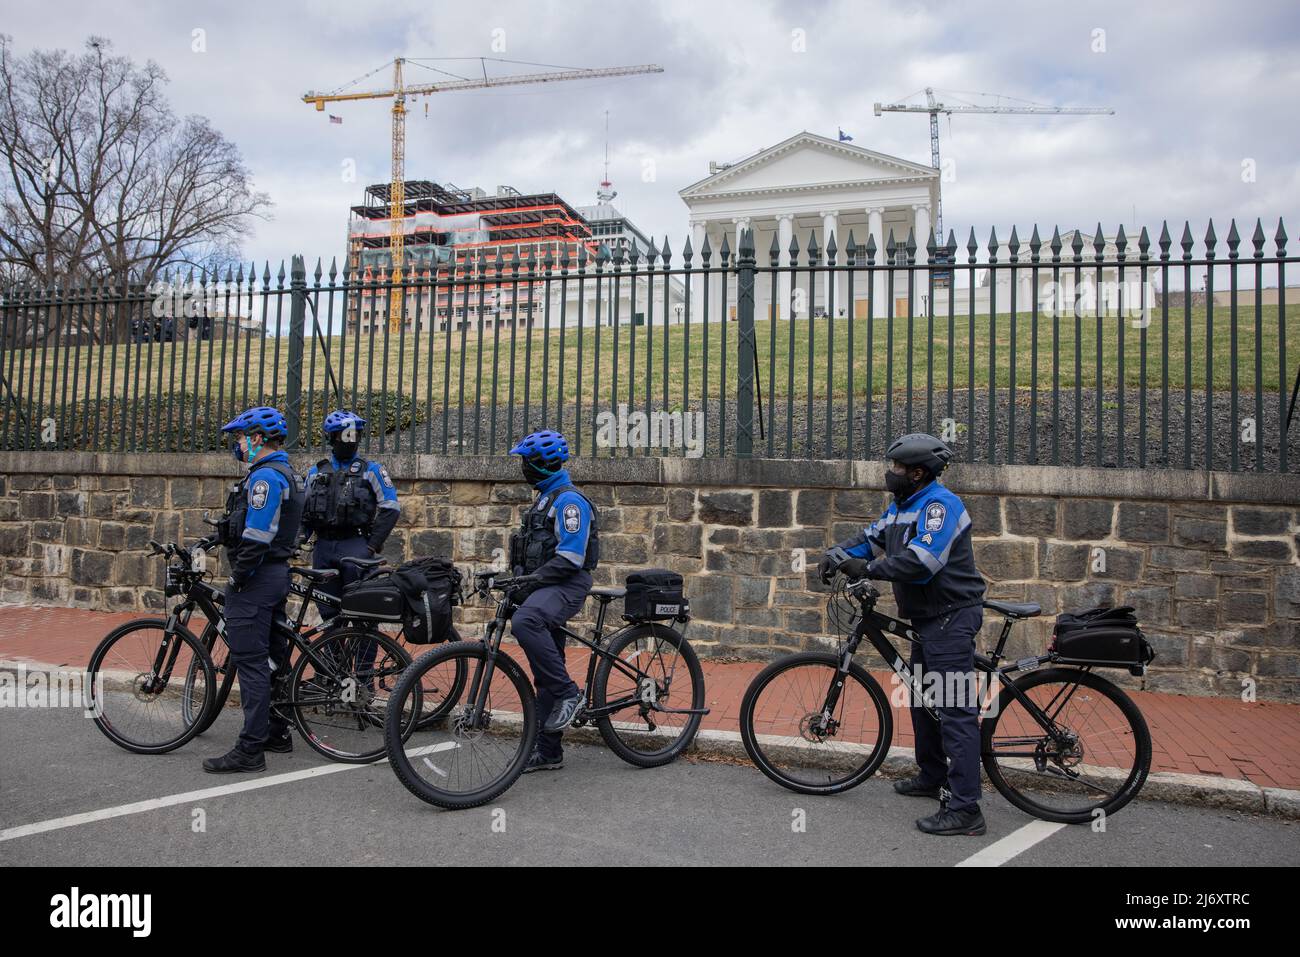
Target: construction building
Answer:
[[445, 224]]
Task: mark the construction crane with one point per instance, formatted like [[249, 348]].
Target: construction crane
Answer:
[[398, 94], [934, 108]]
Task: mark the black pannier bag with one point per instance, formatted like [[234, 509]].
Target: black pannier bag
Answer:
[[1102, 637], [430, 587], [655, 595], [375, 599]]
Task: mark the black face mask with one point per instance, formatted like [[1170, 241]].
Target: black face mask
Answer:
[[901, 486], [533, 475], [344, 451]]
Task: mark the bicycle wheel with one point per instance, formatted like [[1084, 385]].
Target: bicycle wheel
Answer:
[[466, 761], [138, 691], [658, 675], [340, 704], [204, 707], [1098, 760], [789, 735]]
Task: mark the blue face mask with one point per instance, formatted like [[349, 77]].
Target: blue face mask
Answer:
[[242, 457]]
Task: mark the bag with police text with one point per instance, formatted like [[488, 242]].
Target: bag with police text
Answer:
[[375, 599], [655, 595]]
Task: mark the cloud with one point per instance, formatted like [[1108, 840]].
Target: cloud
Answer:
[[1197, 89]]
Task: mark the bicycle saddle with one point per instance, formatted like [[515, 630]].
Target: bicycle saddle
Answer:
[[608, 593], [315, 574], [361, 562], [1029, 609]]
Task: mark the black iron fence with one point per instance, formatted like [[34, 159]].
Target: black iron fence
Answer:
[[1069, 350]]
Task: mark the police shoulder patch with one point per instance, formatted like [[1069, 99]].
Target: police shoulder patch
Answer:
[[258, 493], [935, 513], [572, 518]]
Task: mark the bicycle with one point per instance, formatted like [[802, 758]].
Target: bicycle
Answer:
[[634, 697], [335, 693], [819, 723]]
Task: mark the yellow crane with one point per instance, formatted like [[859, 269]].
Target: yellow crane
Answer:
[[398, 94]]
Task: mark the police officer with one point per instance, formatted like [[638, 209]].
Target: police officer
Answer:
[[922, 544], [351, 504], [556, 547], [260, 531]]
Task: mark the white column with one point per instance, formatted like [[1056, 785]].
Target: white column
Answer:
[[876, 226], [830, 226], [784, 233], [698, 229], [921, 220]]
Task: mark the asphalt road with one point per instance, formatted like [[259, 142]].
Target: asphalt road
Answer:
[[598, 810]]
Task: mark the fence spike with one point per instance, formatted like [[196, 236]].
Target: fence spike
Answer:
[[993, 244], [1186, 242], [1257, 239], [1099, 244], [972, 247], [688, 252], [665, 253], [871, 250], [910, 246], [1121, 243], [1164, 241], [1144, 244], [773, 251], [814, 253], [1280, 238], [794, 249], [831, 249], [1035, 244], [1210, 241], [851, 251], [1234, 240], [930, 246], [952, 246]]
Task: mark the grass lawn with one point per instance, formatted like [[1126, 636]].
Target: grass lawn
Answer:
[[543, 361]]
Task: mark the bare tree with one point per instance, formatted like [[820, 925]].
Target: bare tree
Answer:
[[105, 184]]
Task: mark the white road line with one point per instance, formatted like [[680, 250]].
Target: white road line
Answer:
[[1017, 842], [189, 797]]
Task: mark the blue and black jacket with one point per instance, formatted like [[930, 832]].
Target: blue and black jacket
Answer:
[[923, 546]]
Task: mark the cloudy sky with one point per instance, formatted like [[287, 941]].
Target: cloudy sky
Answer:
[[1198, 90]]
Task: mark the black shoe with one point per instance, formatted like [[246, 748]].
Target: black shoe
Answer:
[[280, 743], [565, 710], [947, 822], [912, 787], [538, 763], [234, 761]]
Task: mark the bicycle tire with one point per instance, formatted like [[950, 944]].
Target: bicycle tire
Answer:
[[765, 762], [474, 653], [219, 654], [1126, 705], [93, 672], [600, 683], [298, 683]]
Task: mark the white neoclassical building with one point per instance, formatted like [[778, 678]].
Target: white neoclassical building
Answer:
[[811, 185]]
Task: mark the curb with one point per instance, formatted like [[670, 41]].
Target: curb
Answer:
[[1195, 790]]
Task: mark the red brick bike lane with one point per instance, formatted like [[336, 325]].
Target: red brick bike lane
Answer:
[[1219, 737]]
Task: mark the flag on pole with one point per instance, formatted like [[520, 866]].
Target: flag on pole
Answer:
[[844, 137], [339, 119]]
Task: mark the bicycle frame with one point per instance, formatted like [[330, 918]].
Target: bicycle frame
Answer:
[[872, 625], [597, 642]]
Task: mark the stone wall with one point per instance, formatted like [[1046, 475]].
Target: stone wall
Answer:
[[1208, 559]]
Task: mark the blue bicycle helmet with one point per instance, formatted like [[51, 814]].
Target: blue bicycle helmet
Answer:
[[546, 448], [262, 418], [341, 419]]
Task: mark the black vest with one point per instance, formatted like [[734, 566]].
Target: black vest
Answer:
[[340, 501], [534, 544], [231, 526]]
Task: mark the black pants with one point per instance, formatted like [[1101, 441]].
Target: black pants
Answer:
[[535, 626], [948, 751], [326, 554], [257, 647]]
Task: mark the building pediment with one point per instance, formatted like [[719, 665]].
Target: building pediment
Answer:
[[807, 161]]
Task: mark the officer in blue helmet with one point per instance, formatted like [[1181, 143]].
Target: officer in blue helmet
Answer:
[[922, 544], [260, 532], [351, 504], [557, 548]]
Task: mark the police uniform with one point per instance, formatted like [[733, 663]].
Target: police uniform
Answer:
[[260, 530], [923, 546], [351, 508], [558, 542]]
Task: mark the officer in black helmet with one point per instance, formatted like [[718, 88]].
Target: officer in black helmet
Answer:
[[351, 504], [922, 544]]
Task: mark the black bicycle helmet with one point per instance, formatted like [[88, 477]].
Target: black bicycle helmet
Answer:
[[918, 448]]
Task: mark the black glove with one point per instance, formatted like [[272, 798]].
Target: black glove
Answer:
[[826, 569], [237, 582], [854, 568], [521, 587]]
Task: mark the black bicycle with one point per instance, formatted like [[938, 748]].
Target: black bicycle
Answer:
[[155, 685], [644, 693], [1061, 743]]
